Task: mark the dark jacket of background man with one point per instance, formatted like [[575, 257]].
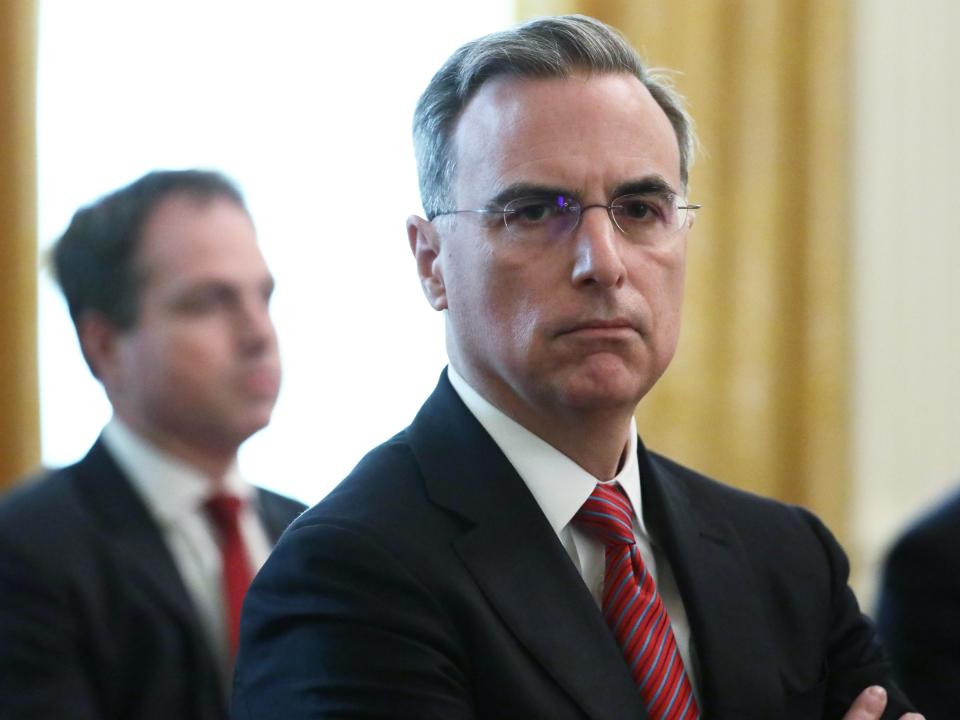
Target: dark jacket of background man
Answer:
[[169, 295], [918, 614]]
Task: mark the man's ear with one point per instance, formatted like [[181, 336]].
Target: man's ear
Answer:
[[425, 245], [99, 338]]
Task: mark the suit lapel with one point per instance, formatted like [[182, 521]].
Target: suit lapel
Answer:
[[738, 672], [131, 532], [276, 513], [517, 560], [134, 535]]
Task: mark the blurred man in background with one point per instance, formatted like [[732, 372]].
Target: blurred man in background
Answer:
[[121, 576], [919, 610]]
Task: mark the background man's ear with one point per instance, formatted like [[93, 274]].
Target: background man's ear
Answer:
[[425, 245], [98, 337]]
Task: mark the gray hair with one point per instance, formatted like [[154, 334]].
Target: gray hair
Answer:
[[543, 48]]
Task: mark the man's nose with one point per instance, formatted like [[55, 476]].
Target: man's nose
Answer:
[[599, 247], [255, 325]]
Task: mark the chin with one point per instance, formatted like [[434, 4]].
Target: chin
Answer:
[[591, 402], [254, 423], [602, 395], [605, 382]]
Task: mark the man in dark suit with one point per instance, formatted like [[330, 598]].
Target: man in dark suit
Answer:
[[516, 552], [121, 576], [918, 614]]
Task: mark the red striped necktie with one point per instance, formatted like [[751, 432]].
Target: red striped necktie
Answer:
[[224, 511], [634, 611]]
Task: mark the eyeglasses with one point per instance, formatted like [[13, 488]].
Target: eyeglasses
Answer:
[[645, 218]]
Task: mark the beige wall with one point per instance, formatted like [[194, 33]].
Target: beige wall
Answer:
[[906, 268]]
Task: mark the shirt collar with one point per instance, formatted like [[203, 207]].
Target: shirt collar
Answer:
[[169, 486], [557, 483]]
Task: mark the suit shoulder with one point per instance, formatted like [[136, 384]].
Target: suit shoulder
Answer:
[[783, 543], [42, 523], [941, 521], [39, 500], [715, 489], [753, 515], [934, 534], [386, 478]]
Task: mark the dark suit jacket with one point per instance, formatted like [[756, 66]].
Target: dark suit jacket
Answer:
[[919, 611], [429, 584], [95, 622]]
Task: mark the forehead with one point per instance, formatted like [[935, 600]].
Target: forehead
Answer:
[[586, 132], [188, 239]]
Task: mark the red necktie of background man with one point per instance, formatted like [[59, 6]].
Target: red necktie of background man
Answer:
[[224, 511], [634, 611]]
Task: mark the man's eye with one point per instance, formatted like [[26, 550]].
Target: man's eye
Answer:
[[532, 210], [637, 210], [640, 208], [202, 302], [197, 304]]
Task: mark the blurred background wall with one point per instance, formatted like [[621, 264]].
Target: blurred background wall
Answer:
[[905, 280], [820, 354]]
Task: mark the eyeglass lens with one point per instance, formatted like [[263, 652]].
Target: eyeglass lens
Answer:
[[648, 217]]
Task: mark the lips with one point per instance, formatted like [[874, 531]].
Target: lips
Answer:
[[262, 381], [602, 327]]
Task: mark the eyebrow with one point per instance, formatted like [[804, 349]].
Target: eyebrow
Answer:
[[520, 190], [652, 184], [220, 286]]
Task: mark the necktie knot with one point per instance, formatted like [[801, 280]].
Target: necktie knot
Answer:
[[224, 510], [608, 515]]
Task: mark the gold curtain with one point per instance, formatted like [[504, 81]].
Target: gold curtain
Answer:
[[19, 405], [758, 394]]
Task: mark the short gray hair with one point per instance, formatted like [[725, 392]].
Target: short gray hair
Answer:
[[543, 48]]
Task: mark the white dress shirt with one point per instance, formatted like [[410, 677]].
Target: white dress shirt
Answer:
[[174, 493], [561, 487]]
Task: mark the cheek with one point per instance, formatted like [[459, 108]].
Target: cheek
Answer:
[[670, 305], [512, 304], [472, 282], [203, 358], [527, 315], [659, 280], [188, 361], [139, 360]]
